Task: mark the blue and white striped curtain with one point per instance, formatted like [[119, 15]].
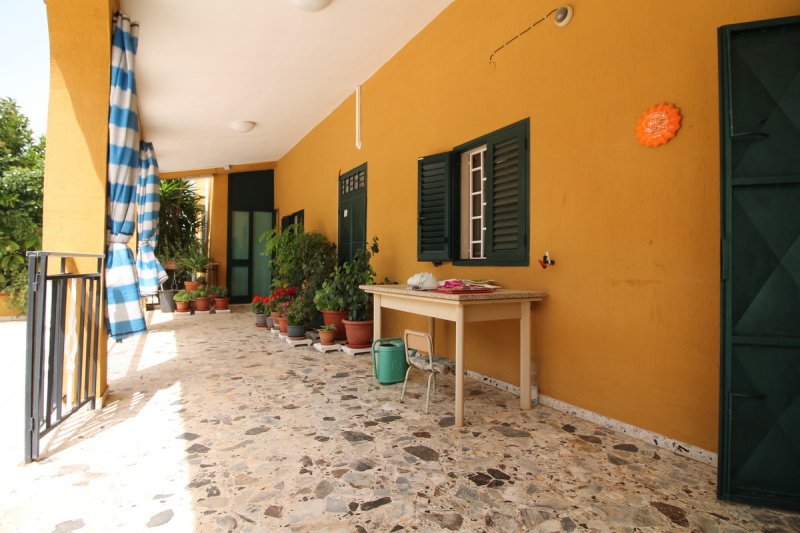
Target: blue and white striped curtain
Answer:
[[148, 201], [124, 309]]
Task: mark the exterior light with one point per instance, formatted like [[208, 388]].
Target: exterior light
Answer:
[[311, 5], [242, 126]]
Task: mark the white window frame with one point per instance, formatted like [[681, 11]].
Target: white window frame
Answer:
[[469, 191]]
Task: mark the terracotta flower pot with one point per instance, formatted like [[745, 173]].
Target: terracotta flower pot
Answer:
[[221, 304], [202, 304], [359, 333], [182, 307], [261, 320], [334, 318], [327, 337], [191, 285], [284, 324]]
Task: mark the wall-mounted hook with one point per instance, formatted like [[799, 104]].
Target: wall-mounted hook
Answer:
[[546, 261]]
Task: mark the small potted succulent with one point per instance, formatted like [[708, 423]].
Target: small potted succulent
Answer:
[[182, 299], [327, 334], [220, 295]]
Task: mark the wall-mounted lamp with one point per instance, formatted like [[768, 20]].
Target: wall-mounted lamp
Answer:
[[310, 5], [242, 126], [562, 17]]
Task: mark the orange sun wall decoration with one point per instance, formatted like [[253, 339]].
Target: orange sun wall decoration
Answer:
[[658, 125]]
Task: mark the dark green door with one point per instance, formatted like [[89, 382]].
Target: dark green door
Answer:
[[352, 212], [250, 215], [249, 270], [759, 452]]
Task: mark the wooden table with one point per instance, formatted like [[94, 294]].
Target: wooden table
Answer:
[[463, 308]]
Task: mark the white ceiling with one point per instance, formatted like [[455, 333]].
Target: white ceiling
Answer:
[[203, 64]]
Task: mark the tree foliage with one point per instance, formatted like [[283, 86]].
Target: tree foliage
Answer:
[[179, 219], [21, 185]]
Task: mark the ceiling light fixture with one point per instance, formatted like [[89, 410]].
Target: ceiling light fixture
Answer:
[[310, 5], [242, 126]]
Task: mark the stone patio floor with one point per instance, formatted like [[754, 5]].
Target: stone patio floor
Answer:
[[213, 425]]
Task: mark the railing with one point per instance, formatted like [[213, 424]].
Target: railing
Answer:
[[64, 326]]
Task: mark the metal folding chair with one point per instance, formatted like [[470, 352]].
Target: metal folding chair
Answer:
[[419, 354]]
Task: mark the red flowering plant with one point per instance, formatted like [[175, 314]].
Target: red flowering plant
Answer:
[[269, 304], [281, 298], [258, 304]]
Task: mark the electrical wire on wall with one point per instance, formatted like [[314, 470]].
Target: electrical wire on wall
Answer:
[[562, 14]]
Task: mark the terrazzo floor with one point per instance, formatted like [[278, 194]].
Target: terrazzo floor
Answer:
[[213, 425]]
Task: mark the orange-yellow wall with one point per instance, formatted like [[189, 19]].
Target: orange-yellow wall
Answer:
[[631, 327], [77, 132]]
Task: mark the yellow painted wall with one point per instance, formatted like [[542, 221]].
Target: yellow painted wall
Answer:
[[77, 132], [218, 224], [631, 328]]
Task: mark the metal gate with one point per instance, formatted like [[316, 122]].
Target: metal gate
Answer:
[[64, 317], [759, 451]]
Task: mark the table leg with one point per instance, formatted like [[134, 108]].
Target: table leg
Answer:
[[460, 366], [525, 355], [376, 316]]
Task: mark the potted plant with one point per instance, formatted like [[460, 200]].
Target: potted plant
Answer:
[[220, 295], [351, 274], [182, 299], [327, 334], [257, 305], [299, 317], [195, 261], [329, 299], [202, 301]]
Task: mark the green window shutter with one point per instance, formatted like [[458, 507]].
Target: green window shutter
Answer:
[[434, 207], [507, 195]]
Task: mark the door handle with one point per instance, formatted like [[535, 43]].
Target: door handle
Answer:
[[751, 134], [749, 396]]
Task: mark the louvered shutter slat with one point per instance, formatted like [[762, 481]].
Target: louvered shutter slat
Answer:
[[507, 217], [434, 208]]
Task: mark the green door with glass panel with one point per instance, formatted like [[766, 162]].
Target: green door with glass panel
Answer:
[[250, 215], [759, 451], [249, 271], [352, 212]]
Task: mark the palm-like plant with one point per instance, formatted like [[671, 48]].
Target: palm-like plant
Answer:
[[180, 218]]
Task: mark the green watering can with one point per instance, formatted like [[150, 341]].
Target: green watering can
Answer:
[[389, 360]]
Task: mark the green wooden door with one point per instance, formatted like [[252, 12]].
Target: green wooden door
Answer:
[[759, 452], [250, 215], [352, 212]]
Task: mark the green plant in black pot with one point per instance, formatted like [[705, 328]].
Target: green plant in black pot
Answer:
[[299, 311]]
